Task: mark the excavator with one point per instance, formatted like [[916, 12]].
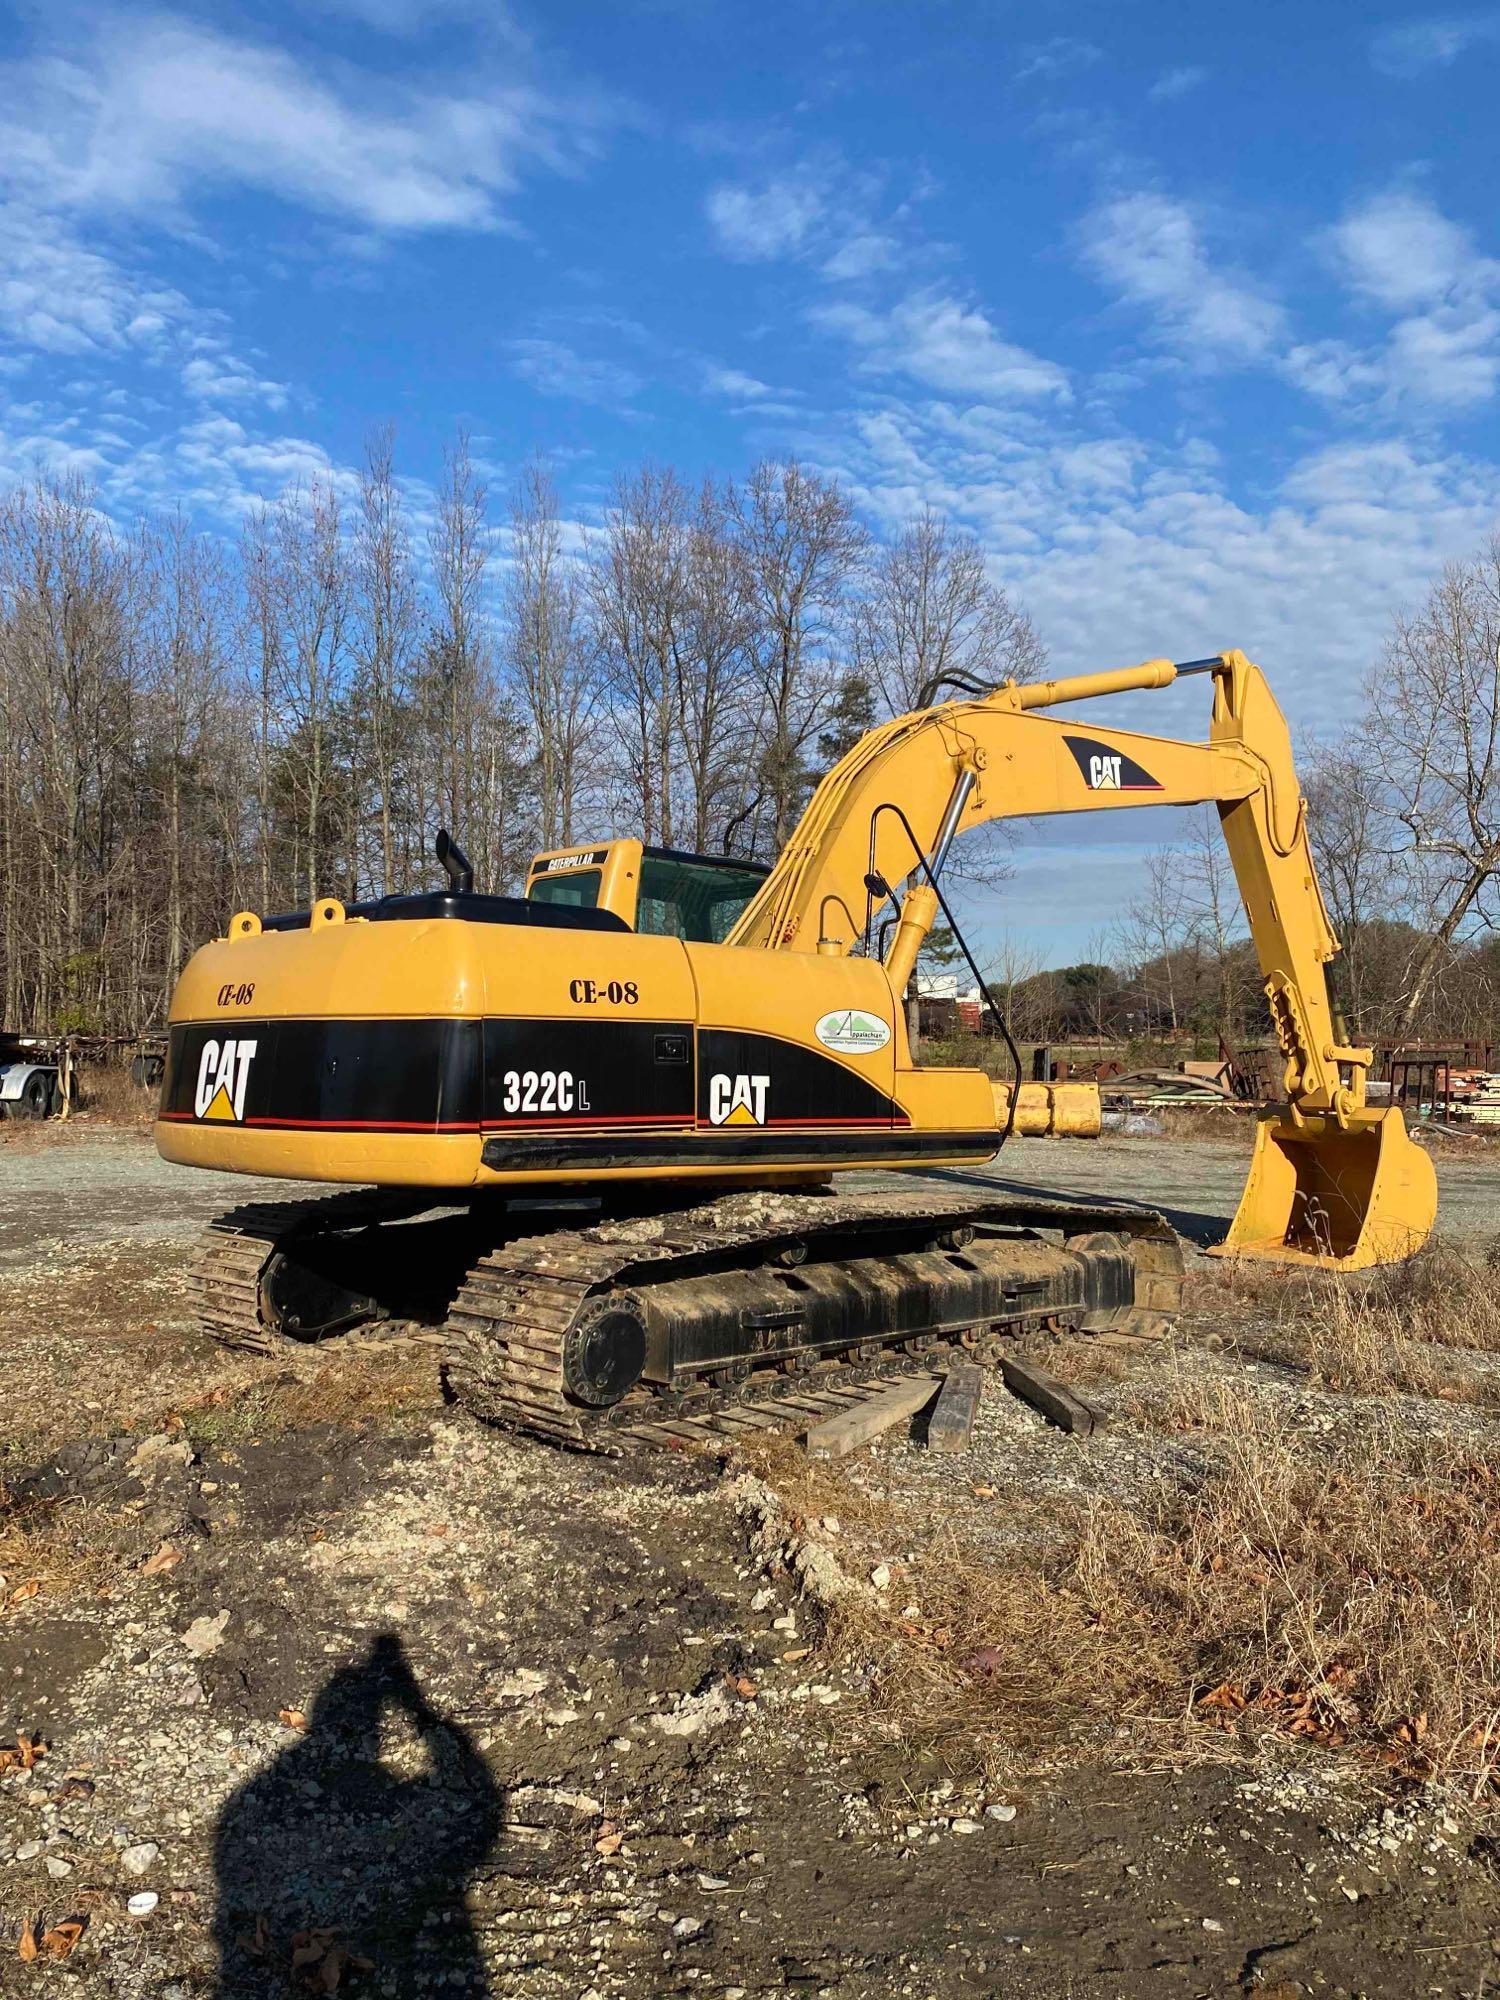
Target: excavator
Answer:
[[590, 1134]]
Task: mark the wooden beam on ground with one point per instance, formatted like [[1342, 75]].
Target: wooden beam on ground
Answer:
[[1059, 1404], [952, 1420], [851, 1428]]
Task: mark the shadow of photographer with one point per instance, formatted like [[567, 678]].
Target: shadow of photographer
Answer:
[[335, 1871]]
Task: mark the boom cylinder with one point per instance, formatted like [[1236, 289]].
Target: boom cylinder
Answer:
[[1084, 687]]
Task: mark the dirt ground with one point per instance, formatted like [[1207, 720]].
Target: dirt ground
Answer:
[[370, 1699]]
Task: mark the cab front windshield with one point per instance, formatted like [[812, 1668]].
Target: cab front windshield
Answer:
[[700, 901]]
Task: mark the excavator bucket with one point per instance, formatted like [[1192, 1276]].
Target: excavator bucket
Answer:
[[1340, 1197]]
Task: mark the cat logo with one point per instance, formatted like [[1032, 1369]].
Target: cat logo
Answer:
[[223, 1073], [737, 1100], [1105, 769]]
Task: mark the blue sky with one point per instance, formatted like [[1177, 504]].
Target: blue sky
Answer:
[[1191, 315]]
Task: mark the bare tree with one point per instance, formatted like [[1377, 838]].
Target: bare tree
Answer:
[[1438, 698], [458, 654], [715, 673], [315, 595], [930, 609], [549, 653], [385, 642], [638, 582], [180, 621], [802, 545]]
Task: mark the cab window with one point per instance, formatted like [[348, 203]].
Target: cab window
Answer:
[[700, 901], [574, 889]]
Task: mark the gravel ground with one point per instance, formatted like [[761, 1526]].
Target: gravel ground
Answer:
[[372, 1700]]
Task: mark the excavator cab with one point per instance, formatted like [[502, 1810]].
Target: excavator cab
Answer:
[[659, 891]]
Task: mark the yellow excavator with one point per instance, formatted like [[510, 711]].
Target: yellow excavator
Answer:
[[591, 1131]]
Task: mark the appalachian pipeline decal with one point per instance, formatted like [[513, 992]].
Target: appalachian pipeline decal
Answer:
[[1106, 769], [327, 1076]]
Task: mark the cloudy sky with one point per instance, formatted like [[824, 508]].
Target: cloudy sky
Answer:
[[1192, 315]]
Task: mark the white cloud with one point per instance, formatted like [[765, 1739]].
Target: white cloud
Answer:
[[1149, 250], [861, 256], [1415, 46], [1399, 253], [775, 220], [949, 346], [1175, 83], [1124, 550], [1063, 55], [735, 386], [220, 377], [559, 370], [62, 297], [164, 111]]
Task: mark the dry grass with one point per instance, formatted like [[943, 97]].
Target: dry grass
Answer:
[[1404, 1327], [1347, 1602], [1340, 1585], [106, 1092], [1356, 1600], [358, 1391], [61, 1546]]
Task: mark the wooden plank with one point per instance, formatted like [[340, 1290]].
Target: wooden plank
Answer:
[[840, 1435], [1059, 1404], [952, 1420]]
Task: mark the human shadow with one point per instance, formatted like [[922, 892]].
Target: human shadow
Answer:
[[337, 1873]]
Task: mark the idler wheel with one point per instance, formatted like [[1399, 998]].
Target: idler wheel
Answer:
[[604, 1351]]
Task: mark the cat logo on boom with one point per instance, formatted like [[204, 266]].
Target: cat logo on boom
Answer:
[[737, 1100], [1105, 769], [223, 1074]]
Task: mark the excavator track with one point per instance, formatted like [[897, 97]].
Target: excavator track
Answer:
[[228, 1273], [520, 1305], [517, 1307]]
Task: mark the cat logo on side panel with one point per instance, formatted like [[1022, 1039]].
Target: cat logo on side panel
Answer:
[[737, 1100], [223, 1074]]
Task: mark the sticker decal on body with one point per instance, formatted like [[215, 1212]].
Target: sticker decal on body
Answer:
[[1104, 768], [223, 1075], [853, 1032]]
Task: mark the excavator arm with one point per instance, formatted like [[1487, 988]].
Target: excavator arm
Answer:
[[1331, 1180]]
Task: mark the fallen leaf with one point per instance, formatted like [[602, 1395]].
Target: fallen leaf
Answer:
[[291, 1718], [798, 1653], [984, 1492], [258, 1945], [437, 1528], [28, 1753], [24, 1590], [609, 1843], [73, 1786], [166, 1557], [61, 1939], [745, 1689], [26, 1949]]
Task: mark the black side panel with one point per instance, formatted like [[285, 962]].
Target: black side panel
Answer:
[[404, 1076], [804, 1088], [615, 1072]]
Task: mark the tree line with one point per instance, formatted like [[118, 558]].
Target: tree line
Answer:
[[192, 726]]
